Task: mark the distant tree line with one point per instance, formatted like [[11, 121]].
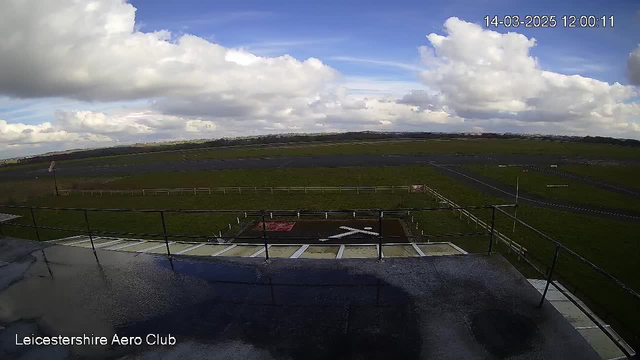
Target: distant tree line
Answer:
[[280, 139]]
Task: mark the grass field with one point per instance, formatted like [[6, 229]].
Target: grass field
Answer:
[[583, 233], [609, 244], [536, 182], [623, 175], [435, 146]]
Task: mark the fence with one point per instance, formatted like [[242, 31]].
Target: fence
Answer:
[[517, 248], [549, 271], [493, 236], [242, 190]]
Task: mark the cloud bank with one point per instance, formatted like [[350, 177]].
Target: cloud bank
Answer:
[[472, 79]]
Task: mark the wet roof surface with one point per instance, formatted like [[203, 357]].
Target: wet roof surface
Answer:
[[455, 307]]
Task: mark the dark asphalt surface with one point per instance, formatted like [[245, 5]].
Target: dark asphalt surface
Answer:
[[507, 192], [450, 307], [95, 169], [320, 231]]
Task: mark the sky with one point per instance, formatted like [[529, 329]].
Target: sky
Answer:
[[83, 74]]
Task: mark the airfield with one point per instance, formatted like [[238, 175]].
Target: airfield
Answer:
[[215, 206]]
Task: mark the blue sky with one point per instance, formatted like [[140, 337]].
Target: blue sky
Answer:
[[392, 30], [106, 72]]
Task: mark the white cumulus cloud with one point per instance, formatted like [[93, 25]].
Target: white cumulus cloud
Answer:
[[473, 79], [633, 66], [481, 74]]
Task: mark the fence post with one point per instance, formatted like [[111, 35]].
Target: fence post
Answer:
[[164, 231], [35, 226], [86, 221], [549, 278], [379, 235], [493, 222], [264, 237]]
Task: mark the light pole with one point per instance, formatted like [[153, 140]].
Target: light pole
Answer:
[[52, 168]]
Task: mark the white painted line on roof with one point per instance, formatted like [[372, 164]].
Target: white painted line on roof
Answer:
[[340, 252], [127, 245], [189, 249], [224, 250], [153, 248], [260, 251], [417, 249], [108, 243], [77, 242], [66, 238], [457, 248], [592, 327], [299, 252]]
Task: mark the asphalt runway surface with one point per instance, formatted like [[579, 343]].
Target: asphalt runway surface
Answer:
[[94, 168], [508, 192], [602, 184], [440, 307]]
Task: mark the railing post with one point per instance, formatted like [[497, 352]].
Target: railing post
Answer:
[[493, 223], [35, 225], [86, 221], [379, 235], [550, 277], [264, 237], [164, 231]]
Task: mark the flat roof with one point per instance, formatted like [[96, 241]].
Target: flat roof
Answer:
[[450, 307]]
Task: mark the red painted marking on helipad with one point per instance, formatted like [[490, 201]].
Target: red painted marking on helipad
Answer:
[[275, 226]]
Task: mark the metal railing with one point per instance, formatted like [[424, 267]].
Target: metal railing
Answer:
[[382, 239], [263, 215], [551, 270], [239, 190], [517, 248]]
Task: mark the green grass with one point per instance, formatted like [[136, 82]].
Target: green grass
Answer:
[[623, 175], [609, 244], [432, 146], [536, 182]]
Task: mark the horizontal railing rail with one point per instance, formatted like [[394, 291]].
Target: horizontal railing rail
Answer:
[[382, 239], [236, 190]]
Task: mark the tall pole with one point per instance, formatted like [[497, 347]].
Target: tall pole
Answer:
[[35, 225], [550, 276], [264, 237], [379, 235], [493, 224], [166, 237], [86, 221], [55, 181], [515, 213]]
